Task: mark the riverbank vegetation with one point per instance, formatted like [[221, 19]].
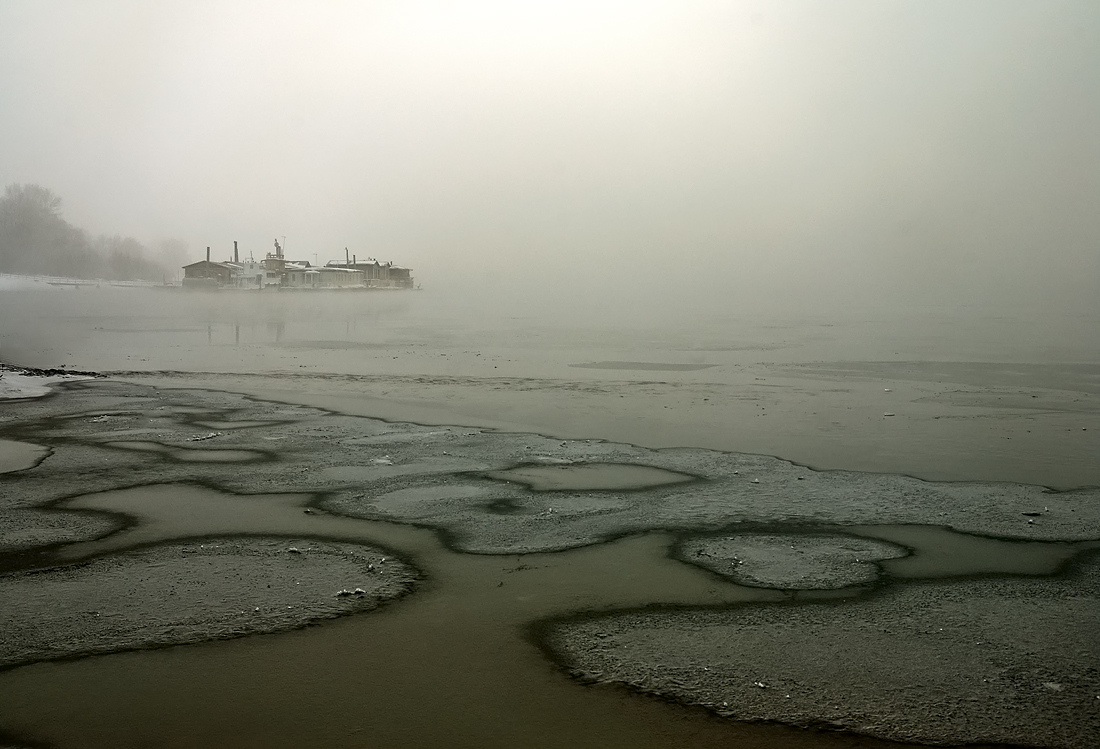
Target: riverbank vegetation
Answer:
[[35, 239]]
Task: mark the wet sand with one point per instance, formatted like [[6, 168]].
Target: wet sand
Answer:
[[745, 549]]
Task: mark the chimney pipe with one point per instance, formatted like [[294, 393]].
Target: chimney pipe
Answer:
[[354, 261], [235, 258], [208, 254]]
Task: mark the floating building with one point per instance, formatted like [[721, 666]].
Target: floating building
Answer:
[[378, 275], [276, 272]]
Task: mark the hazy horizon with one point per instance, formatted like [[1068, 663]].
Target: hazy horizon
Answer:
[[801, 155]]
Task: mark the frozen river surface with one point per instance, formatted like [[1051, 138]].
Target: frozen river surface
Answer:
[[517, 502]]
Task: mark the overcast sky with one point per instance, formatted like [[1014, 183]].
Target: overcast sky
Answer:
[[822, 150]]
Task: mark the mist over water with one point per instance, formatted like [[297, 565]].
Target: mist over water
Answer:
[[615, 157], [111, 328]]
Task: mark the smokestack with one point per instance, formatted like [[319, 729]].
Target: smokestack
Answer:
[[354, 261], [347, 258], [235, 258], [208, 254]]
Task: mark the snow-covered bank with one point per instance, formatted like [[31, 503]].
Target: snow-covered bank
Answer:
[[14, 282], [16, 382]]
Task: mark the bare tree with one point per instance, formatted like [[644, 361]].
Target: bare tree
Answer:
[[35, 239]]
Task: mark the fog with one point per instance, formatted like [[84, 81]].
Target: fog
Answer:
[[795, 156], [833, 266]]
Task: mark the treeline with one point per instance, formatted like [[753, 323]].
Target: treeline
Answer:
[[36, 240]]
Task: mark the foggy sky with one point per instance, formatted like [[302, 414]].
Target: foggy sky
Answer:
[[798, 152]]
